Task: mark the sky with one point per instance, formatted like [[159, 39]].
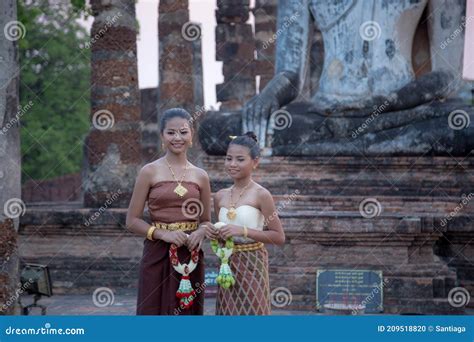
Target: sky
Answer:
[[201, 11]]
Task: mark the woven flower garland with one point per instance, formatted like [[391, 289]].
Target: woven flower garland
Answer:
[[225, 278], [185, 293]]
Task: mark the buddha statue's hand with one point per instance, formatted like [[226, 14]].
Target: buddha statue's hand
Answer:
[[256, 114], [281, 90]]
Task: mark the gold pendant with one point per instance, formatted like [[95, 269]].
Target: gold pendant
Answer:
[[180, 190], [231, 214]]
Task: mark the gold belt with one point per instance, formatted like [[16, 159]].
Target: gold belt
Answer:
[[176, 225], [247, 247]]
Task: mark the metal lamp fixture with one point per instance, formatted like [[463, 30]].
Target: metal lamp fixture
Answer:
[[36, 280]]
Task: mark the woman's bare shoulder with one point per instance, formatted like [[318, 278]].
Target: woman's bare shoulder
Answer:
[[222, 192], [199, 175], [262, 192], [149, 170]]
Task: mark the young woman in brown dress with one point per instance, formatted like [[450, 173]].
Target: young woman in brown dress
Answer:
[[251, 219], [178, 196]]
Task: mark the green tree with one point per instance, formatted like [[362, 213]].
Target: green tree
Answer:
[[54, 87]]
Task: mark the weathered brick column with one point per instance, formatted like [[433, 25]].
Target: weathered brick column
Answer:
[[180, 64], [176, 35], [112, 148], [11, 206], [265, 26], [235, 46]]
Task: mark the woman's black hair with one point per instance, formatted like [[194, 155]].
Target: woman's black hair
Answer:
[[248, 140], [174, 113]]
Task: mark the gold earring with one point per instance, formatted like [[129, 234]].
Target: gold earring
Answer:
[[191, 144], [162, 146]]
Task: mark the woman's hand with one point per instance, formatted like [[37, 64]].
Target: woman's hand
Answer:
[[230, 230], [178, 237], [212, 232], [195, 239]]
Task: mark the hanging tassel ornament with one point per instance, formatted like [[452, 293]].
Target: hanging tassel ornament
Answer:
[[225, 278], [185, 293]]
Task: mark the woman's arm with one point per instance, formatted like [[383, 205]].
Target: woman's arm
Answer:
[[211, 232], [196, 237], [206, 200], [274, 233], [134, 221]]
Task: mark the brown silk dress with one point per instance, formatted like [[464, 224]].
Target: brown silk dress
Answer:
[[158, 281]]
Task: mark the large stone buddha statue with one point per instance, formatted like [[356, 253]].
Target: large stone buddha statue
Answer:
[[368, 100]]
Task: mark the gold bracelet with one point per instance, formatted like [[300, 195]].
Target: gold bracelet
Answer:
[[149, 234], [245, 232]]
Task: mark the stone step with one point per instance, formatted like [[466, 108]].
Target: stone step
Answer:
[[395, 176], [414, 205]]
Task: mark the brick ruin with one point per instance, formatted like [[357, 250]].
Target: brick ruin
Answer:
[[113, 145], [10, 166]]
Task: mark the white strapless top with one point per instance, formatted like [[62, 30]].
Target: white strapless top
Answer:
[[248, 216]]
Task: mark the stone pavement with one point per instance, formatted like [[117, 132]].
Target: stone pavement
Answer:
[[122, 304]]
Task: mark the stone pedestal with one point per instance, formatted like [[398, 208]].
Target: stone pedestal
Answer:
[[319, 202]]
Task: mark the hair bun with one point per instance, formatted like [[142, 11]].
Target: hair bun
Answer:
[[251, 135]]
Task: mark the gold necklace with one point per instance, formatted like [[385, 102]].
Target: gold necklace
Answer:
[[180, 190], [232, 213]]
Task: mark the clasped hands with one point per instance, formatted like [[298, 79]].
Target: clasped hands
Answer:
[[192, 241], [227, 231]]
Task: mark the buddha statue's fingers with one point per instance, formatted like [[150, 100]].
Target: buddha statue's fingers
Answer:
[[248, 117], [245, 118], [261, 135], [256, 115]]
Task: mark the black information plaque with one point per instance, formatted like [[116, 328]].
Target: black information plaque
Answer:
[[360, 291]]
